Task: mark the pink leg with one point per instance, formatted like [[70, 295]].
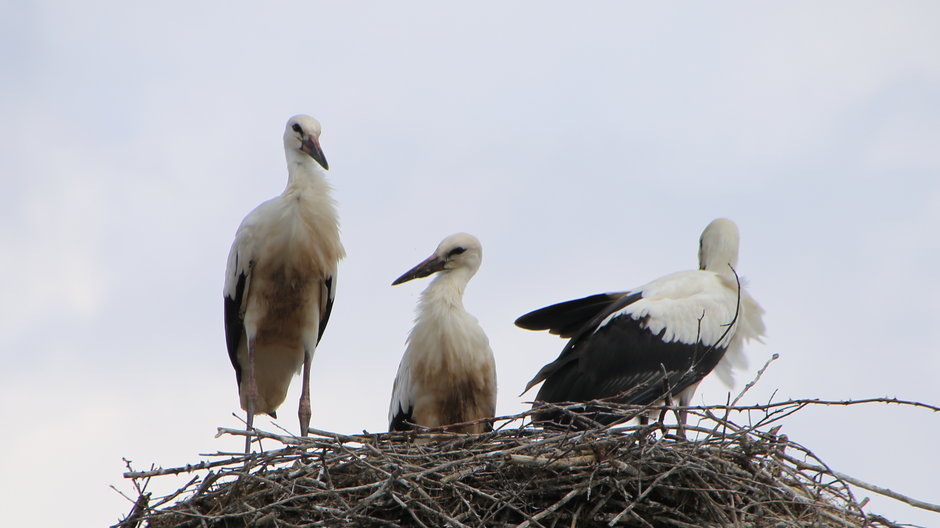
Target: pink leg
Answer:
[[304, 409], [251, 392]]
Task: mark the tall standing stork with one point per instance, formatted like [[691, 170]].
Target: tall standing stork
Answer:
[[281, 278], [653, 342], [448, 374]]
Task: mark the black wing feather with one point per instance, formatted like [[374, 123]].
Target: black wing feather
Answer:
[[325, 317], [568, 318], [586, 329], [624, 358], [622, 361], [402, 421]]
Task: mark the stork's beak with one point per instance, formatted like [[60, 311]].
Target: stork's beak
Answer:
[[427, 267], [311, 146]]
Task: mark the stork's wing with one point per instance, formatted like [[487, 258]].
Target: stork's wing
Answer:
[[567, 318], [624, 357], [586, 313], [237, 279], [402, 404], [327, 293], [669, 334]]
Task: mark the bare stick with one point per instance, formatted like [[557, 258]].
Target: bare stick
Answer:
[[755, 380]]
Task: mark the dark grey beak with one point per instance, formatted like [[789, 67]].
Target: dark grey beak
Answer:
[[311, 146], [428, 266]]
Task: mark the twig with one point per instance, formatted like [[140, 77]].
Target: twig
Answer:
[[551, 509], [755, 380], [865, 485]]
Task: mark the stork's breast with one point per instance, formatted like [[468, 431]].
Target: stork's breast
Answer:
[[288, 298]]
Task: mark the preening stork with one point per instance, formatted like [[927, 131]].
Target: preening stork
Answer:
[[653, 342], [448, 374], [281, 279]]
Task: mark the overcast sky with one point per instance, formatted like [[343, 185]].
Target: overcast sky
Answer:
[[587, 148]]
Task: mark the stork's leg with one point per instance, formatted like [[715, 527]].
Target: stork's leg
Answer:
[[251, 393], [659, 418], [667, 403], [681, 416], [304, 408]]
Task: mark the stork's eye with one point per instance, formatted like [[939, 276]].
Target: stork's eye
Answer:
[[296, 127], [456, 251]]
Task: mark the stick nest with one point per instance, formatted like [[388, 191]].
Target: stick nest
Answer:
[[724, 475]]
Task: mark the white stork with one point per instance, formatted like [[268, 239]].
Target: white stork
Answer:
[[668, 334], [447, 374], [281, 278]]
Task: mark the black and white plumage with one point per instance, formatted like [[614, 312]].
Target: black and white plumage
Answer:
[[669, 333], [281, 279], [447, 374]]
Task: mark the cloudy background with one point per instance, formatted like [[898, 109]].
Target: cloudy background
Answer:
[[587, 148]]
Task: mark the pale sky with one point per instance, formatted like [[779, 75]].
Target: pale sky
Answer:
[[587, 147]]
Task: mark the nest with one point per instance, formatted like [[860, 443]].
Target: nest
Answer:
[[716, 473]]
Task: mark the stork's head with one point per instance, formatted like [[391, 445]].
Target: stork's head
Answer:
[[302, 134], [458, 253], [718, 247]]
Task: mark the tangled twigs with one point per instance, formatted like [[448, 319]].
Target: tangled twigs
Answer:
[[726, 475]]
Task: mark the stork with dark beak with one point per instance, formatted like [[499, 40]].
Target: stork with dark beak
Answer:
[[447, 374], [281, 279]]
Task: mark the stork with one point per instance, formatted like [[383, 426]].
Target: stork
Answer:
[[653, 342], [281, 278], [447, 374]]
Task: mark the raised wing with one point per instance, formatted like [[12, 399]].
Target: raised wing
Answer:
[[601, 310], [625, 358], [567, 318], [662, 339]]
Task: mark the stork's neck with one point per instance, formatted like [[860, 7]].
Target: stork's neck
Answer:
[[445, 292], [721, 262], [303, 171]]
